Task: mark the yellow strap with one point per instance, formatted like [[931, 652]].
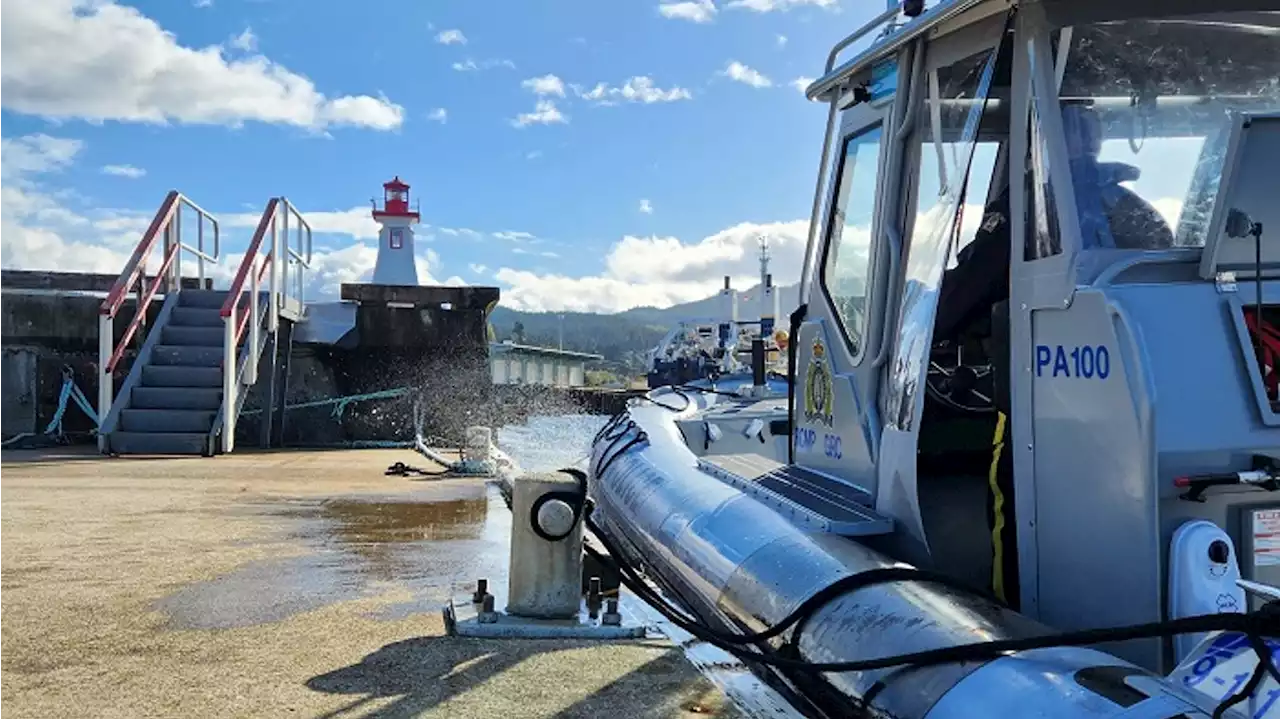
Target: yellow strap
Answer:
[[997, 528]]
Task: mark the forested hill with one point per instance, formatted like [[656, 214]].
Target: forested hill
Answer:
[[622, 338]]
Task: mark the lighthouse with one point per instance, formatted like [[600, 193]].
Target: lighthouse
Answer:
[[395, 264]]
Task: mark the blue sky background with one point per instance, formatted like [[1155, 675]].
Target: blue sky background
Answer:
[[201, 110]]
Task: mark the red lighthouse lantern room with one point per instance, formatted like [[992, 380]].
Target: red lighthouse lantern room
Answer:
[[395, 201]]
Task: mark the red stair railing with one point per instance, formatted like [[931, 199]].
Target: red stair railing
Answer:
[[166, 224]]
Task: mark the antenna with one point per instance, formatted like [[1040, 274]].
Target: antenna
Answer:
[[764, 259]]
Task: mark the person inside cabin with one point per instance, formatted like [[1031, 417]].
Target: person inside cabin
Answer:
[[977, 289]]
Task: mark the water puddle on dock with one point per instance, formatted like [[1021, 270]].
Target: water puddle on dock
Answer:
[[360, 546]]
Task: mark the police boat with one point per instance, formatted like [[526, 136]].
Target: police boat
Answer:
[[1027, 465]]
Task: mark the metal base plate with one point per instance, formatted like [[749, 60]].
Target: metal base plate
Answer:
[[462, 618]]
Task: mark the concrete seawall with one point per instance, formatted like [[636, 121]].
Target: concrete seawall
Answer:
[[430, 341]]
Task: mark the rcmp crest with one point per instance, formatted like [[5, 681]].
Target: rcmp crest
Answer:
[[817, 387]]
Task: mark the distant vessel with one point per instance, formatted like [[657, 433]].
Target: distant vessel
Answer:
[[711, 348]]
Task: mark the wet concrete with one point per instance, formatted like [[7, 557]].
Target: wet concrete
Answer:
[[281, 583], [423, 542]]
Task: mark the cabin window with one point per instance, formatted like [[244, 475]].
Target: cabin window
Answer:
[[847, 272], [1145, 109]]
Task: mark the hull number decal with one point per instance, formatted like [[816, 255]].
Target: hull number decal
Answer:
[[1079, 361], [1223, 667], [817, 388]]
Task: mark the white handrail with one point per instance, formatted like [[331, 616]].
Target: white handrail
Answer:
[[238, 372]]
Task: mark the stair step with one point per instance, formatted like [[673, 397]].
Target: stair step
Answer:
[[187, 356], [193, 336], [206, 398], [178, 376], [165, 421], [195, 317], [208, 299], [159, 442]]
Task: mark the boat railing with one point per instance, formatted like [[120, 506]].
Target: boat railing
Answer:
[[166, 224], [242, 310]]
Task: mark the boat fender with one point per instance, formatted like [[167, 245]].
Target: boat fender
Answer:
[[1203, 574], [714, 433]]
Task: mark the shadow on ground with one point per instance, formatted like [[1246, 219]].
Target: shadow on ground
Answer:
[[422, 674]]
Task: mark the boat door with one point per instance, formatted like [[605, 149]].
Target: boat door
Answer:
[[839, 344], [902, 172]]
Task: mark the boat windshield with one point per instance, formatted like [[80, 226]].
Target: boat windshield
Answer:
[[1145, 110]]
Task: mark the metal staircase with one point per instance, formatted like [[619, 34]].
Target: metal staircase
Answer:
[[177, 396]]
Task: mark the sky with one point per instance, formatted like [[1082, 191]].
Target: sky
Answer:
[[576, 154]]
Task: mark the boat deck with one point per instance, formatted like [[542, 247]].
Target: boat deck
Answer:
[[291, 583]]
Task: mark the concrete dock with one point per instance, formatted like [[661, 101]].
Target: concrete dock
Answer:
[[282, 584]]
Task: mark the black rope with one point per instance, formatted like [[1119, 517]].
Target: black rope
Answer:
[[400, 469], [578, 500], [1252, 625]]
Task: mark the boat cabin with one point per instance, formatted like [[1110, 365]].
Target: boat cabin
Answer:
[[1046, 244]]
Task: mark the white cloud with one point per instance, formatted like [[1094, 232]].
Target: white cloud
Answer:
[[246, 41], [478, 269], [514, 236], [128, 171], [470, 65], [356, 222], [646, 207], [636, 89], [802, 83], [96, 60], [36, 153], [451, 37], [202, 3], [546, 85], [545, 112], [533, 155], [738, 72], [782, 41], [460, 231], [439, 114], [661, 271], [778, 5], [703, 11], [691, 10]]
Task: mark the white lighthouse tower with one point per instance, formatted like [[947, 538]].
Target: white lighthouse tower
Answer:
[[396, 264]]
